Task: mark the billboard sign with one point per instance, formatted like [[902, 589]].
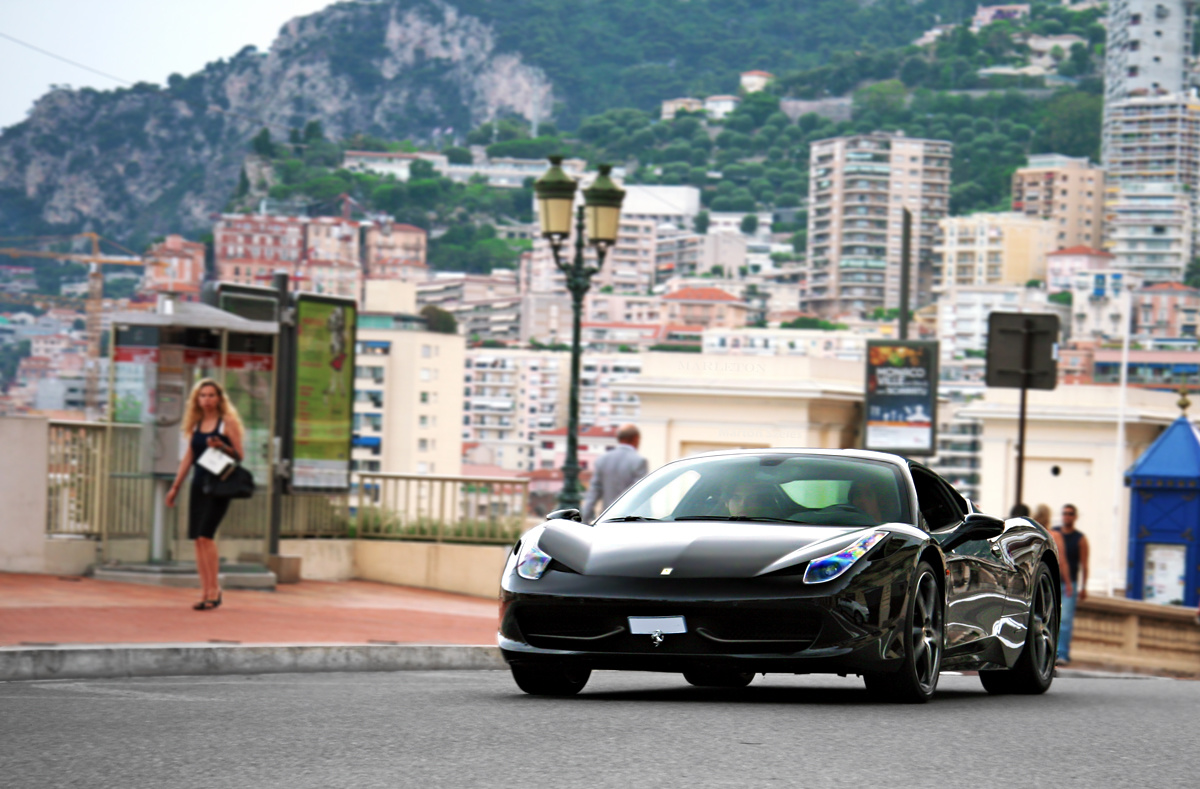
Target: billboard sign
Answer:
[[901, 397], [324, 393]]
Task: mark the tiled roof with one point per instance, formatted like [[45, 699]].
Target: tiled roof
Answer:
[[1177, 287], [1083, 250], [591, 432], [700, 294]]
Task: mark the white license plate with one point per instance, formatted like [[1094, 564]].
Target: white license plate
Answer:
[[647, 625]]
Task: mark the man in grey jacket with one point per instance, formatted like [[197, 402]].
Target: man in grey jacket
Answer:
[[615, 471]]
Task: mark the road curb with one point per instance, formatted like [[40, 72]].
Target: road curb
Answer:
[[140, 660]]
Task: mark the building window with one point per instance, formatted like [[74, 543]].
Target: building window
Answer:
[[423, 445]]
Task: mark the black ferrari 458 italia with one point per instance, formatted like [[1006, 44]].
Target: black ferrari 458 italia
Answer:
[[730, 564]]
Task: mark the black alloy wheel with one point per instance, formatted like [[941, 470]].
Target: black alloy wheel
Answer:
[[550, 680], [1034, 670], [716, 678], [917, 678]]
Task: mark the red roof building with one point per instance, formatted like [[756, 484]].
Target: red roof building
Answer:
[[705, 308]]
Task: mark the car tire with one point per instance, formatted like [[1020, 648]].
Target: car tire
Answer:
[[716, 678], [924, 639], [550, 680], [1033, 671]]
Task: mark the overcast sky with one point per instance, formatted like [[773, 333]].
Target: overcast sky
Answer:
[[135, 40]]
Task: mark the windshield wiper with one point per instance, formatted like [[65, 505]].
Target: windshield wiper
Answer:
[[753, 518], [627, 519]]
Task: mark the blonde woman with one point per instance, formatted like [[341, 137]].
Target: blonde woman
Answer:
[[1042, 516], [210, 420]]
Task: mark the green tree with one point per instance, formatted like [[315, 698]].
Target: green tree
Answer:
[[749, 224], [1191, 277], [438, 320], [700, 225], [884, 99], [1072, 128], [456, 155]]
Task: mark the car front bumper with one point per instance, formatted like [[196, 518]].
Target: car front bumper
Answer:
[[774, 625]]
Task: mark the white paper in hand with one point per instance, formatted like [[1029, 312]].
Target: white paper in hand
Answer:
[[215, 461]]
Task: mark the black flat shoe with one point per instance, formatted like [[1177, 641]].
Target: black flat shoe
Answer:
[[216, 603], [206, 605]]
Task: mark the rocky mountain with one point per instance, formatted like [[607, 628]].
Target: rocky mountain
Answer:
[[147, 160]]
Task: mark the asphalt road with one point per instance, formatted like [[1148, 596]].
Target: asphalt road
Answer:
[[475, 729]]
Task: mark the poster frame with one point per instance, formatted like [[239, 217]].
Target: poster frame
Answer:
[[931, 351], [299, 300]]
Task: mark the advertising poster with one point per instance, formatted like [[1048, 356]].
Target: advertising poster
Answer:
[[324, 394], [901, 397]]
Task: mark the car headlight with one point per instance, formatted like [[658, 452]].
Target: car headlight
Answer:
[[532, 561], [826, 568]]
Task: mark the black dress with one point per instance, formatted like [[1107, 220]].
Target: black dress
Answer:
[[204, 512]]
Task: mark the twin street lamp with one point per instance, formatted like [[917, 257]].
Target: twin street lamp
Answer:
[[600, 215]]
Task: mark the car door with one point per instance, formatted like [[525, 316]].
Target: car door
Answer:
[[977, 575]]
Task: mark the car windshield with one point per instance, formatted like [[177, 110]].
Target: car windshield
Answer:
[[803, 489]]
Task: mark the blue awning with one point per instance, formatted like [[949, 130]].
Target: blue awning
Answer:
[[370, 442]]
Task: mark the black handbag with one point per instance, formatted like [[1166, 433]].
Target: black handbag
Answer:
[[236, 483]]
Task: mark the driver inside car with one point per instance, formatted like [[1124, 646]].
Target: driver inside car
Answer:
[[753, 500]]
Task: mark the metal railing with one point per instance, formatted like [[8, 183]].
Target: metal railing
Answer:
[[97, 489], [81, 457], [440, 508], [316, 515]]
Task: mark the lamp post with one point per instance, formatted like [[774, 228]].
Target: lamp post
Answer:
[[599, 215]]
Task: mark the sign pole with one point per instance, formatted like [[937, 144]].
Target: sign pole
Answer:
[[905, 271], [1026, 369], [283, 392]]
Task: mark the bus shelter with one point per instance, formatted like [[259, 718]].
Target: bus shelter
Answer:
[[157, 357]]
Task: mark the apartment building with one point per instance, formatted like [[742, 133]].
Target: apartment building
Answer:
[[600, 405], [1168, 309], [394, 250], [1154, 138], [175, 265], [1067, 191], [1062, 265], [320, 254], [601, 307], [704, 308], [959, 441], [1102, 304], [859, 187], [846, 345], [591, 444], [962, 315], [1148, 53], [619, 337], [408, 407], [446, 289], [249, 247], [991, 249], [508, 396], [1151, 229]]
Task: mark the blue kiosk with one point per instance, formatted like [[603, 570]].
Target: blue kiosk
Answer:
[[1164, 517]]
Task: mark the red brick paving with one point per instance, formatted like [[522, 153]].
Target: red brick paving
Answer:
[[47, 609]]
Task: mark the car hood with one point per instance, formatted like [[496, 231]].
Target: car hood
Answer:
[[690, 549]]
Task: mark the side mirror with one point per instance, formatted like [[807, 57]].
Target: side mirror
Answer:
[[571, 514], [975, 526]]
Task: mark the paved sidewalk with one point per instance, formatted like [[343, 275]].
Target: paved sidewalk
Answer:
[[47, 610]]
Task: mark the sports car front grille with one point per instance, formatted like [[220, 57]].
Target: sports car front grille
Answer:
[[604, 627]]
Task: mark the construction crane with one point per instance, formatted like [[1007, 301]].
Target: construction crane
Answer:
[[95, 298]]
